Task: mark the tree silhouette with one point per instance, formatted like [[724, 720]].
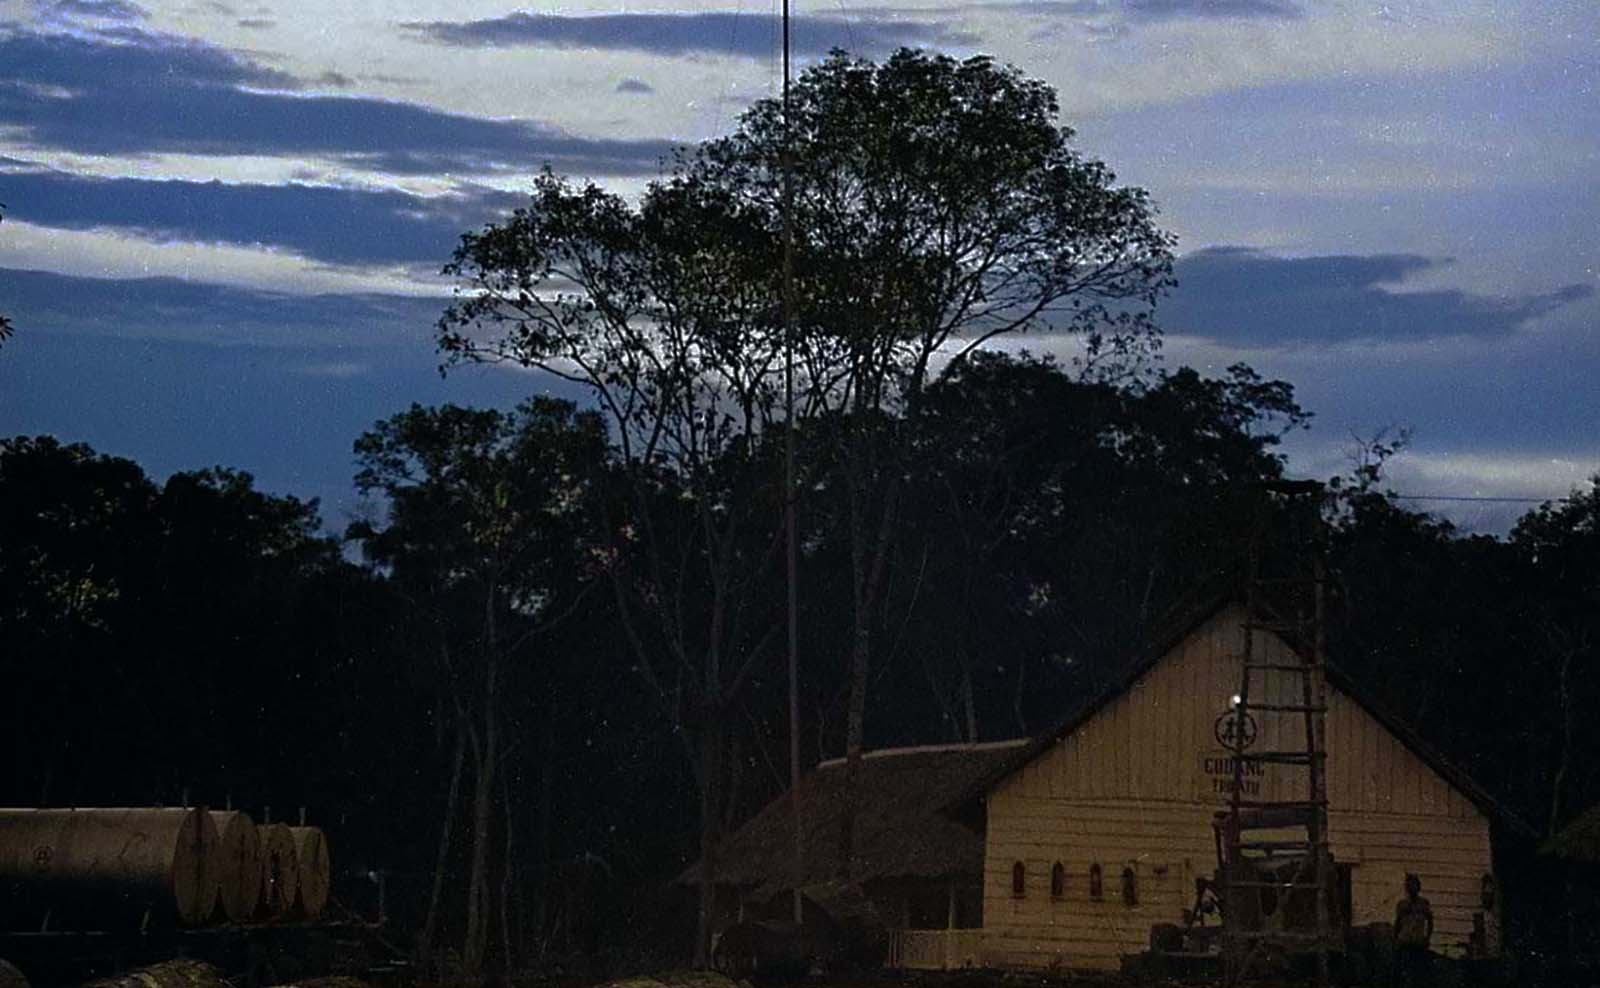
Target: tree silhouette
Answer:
[[936, 203]]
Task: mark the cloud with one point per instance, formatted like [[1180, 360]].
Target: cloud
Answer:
[[334, 225], [336, 368], [1152, 11], [1244, 296], [139, 92], [175, 309], [718, 33], [126, 59], [635, 86], [1161, 10], [108, 10]]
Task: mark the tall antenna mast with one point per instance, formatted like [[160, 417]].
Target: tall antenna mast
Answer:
[[791, 552]]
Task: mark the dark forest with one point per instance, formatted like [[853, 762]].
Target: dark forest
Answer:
[[547, 670]]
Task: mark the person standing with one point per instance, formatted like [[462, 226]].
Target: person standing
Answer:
[[1413, 929]]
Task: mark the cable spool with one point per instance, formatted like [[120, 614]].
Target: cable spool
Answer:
[[123, 862], [280, 870], [314, 870], [238, 865]]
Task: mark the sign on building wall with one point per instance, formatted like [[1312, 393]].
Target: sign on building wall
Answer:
[[1215, 780]]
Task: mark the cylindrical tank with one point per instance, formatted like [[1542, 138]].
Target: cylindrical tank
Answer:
[[280, 870], [94, 862], [314, 870], [238, 864]]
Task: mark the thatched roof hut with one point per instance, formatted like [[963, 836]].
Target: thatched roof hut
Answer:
[[901, 828]]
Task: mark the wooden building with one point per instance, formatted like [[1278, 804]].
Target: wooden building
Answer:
[[917, 867], [1098, 829], [1067, 849]]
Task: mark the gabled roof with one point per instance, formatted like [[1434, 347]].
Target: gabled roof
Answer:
[[1184, 619], [899, 830]]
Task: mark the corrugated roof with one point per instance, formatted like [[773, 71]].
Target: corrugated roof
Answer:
[[899, 831]]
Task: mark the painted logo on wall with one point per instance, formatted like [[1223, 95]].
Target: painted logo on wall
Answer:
[[1235, 729]]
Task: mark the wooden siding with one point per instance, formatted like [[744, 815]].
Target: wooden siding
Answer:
[[1137, 786]]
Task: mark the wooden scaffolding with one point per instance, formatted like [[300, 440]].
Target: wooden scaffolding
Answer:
[[1276, 836]]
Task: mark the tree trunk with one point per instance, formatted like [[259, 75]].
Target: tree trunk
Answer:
[[968, 702], [855, 727], [1565, 695], [506, 877], [710, 772], [544, 851], [452, 799], [868, 562], [475, 950]]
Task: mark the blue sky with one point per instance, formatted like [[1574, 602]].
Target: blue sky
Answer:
[[225, 218]]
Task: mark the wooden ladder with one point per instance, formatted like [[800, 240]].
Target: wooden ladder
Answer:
[[1299, 863]]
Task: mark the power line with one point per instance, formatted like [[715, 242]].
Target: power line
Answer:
[[1465, 497]]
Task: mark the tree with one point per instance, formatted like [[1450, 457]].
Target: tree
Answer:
[[166, 635], [667, 314], [937, 205], [1051, 519], [75, 529], [487, 534], [1559, 548]]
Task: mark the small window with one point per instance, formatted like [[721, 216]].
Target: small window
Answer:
[[1097, 889], [1058, 880], [1130, 887], [1019, 880], [1486, 893]]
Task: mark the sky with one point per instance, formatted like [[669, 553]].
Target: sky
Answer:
[[225, 219]]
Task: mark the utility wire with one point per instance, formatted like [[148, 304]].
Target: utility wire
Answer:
[[1466, 497]]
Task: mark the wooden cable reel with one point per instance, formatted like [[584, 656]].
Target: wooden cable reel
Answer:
[[280, 870], [314, 871], [124, 861], [238, 865]]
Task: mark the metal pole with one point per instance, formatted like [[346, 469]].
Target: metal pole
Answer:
[[790, 550]]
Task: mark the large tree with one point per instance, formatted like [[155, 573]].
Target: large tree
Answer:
[[935, 204], [666, 313]]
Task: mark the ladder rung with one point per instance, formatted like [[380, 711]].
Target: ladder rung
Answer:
[[1274, 885], [1287, 581], [1283, 757], [1281, 804], [1282, 708], [1286, 936], [1283, 666], [1278, 845], [1276, 625]]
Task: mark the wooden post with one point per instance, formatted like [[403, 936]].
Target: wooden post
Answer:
[[947, 955]]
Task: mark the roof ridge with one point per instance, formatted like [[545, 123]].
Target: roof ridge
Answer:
[[919, 749]]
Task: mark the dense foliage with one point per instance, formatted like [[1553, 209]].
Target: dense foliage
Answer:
[[549, 664], [202, 636]]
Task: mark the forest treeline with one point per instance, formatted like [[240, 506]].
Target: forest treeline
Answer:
[[459, 662], [548, 669]]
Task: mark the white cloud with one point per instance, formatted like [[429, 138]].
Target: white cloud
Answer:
[[103, 254]]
